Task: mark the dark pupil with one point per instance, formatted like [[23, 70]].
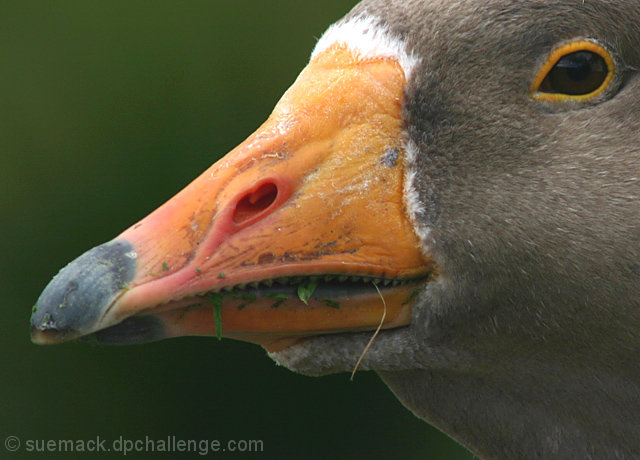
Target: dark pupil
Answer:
[[576, 73]]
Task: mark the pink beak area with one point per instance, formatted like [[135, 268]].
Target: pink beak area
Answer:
[[289, 235]]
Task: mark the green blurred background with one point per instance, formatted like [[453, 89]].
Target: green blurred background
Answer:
[[107, 109]]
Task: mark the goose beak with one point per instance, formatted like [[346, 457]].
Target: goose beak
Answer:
[[296, 232]]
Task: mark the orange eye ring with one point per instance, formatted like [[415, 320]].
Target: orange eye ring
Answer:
[[557, 55]]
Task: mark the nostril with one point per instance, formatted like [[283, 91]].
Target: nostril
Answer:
[[254, 202]]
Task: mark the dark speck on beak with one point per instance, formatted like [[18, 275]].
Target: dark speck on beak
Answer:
[[390, 158]]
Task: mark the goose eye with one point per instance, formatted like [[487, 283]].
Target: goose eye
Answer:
[[576, 71]]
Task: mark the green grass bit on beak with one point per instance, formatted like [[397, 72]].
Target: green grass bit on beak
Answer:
[[277, 296], [216, 301], [331, 303], [305, 290]]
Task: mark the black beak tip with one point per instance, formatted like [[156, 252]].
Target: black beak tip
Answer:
[[133, 330], [77, 297]]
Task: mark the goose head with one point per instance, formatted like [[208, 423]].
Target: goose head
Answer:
[[466, 175]]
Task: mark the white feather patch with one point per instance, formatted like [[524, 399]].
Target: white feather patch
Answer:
[[368, 38], [415, 208]]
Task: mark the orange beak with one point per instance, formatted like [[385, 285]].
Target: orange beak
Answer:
[[283, 238]]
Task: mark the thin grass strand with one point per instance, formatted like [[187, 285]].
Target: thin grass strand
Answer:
[[375, 334]]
